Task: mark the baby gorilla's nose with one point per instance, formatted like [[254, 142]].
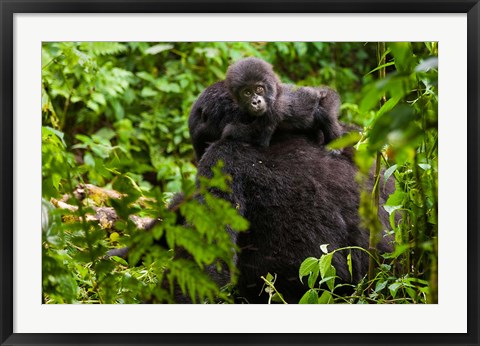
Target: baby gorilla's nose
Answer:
[[256, 102]]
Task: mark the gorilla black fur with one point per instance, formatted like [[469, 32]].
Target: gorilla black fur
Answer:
[[295, 195], [258, 92]]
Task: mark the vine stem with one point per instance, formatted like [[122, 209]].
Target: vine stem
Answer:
[[269, 284], [374, 229]]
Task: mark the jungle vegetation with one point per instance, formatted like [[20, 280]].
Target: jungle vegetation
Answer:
[[116, 149]]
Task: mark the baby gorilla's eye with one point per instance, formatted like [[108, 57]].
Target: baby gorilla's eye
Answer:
[[259, 90], [247, 93]]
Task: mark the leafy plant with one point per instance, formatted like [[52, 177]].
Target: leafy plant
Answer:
[[400, 136], [114, 115], [385, 287]]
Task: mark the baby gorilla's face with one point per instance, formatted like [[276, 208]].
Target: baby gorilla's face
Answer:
[[253, 85], [252, 99]]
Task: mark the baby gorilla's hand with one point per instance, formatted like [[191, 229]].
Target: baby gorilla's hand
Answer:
[[238, 131], [229, 131]]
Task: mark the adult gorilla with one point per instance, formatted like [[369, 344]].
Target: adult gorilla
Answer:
[[296, 195]]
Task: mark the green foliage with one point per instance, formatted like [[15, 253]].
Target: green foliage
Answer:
[[123, 107], [386, 287], [269, 287], [75, 268], [400, 134], [404, 132], [56, 278], [115, 115]]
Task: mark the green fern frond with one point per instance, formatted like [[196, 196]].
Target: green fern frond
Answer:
[[103, 48]]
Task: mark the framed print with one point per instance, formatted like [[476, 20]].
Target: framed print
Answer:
[[239, 172]]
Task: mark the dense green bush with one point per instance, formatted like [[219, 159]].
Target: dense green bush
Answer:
[[115, 116], [401, 135]]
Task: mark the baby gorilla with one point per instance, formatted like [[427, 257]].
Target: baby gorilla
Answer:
[[267, 105]]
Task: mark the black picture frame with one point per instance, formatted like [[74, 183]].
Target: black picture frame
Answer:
[[9, 7]]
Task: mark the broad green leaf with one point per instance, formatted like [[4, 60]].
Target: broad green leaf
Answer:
[[99, 98], [372, 94], [396, 122], [427, 64], [312, 279], [389, 172], [394, 288], [89, 160], [325, 298], [424, 166], [399, 250], [389, 105], [332, 272], [386, 267], [394, 85], [119, 260], [310, 297], [329, 279], [347, 140], [146, 76], [396, 199], [157, 230], [148, 92], [380, 285], [412, 293], [158, 48], [56, 179], [402, 53], [308, 266], [51, 133], [391, 209], [105, 133], [324, 264]]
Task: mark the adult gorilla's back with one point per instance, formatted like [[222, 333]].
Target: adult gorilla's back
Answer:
[[295, 194]]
